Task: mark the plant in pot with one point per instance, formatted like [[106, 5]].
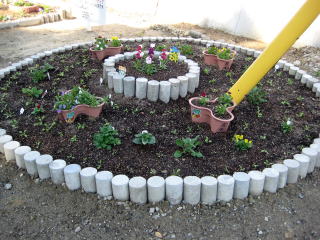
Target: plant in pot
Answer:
[[225, 58], [103, 47], [114, 46], [210, 56], [218, 117], [78, 101]]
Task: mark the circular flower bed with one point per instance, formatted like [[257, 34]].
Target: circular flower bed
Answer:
[[278, 119]]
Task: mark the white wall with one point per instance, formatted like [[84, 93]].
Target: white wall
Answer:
[[258, 19]]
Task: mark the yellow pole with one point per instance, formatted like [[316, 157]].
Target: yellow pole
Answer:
[[271, 55]]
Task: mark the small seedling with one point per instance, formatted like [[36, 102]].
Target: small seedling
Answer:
[[212, 81], [144, 138], [300, 98], [300, 114], [206, 71], [73, 138], [287, 126], [81, 126], [285, 103], [207, 140], [176, 172], [290, 81], [259, 113], [38, 109]]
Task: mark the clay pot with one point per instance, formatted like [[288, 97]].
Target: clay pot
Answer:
[[70, 115], [209, 59], [98, 54], [205, 115], [102, 54], [111, 51], [31, 9], [225, 64]]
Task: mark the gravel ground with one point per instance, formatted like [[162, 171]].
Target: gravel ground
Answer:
[[31, 209]]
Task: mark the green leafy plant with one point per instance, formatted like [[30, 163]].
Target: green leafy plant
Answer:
[[290, 81], [144, 138], [32, 92], [115, 42], [206, 71], [100, 43], [188, 146], [176, 172], [77, 96], [40, 73], [242, 143], [38, 109], [106, 138], [203, 100], [257, 96], [287, 126], [213, 50], [21, 3], [186, 50], [223, 102], [160, 47], [225, 53]]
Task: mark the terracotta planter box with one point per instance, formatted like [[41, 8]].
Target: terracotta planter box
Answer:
[[214, 60], [70, 115], [224, 64], [201, 114], [210, 59], [102, 54]]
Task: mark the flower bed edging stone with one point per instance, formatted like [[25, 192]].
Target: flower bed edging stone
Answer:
[[37, 20], [154, 90], [173, 188]]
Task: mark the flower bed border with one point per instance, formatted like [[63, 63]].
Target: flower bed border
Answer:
[[191, 189], [153, 90], [37, 20]]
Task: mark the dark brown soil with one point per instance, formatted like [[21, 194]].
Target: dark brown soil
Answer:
[[173, 70], [167, 122]]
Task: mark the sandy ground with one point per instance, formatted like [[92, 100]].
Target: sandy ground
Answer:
[[40, 210]]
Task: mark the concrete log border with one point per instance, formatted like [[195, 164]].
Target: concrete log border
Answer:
[[191, 189], [37, 20], [152, 90]]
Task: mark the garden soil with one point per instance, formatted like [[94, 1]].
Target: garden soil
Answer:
[[31, 209]]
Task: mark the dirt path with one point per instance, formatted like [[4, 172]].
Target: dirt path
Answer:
[[40, 210]]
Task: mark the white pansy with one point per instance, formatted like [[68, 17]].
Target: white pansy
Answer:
[[152, 45], [21, 111], [148, 60], [109, 96], [144, 131], [289, 122]]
